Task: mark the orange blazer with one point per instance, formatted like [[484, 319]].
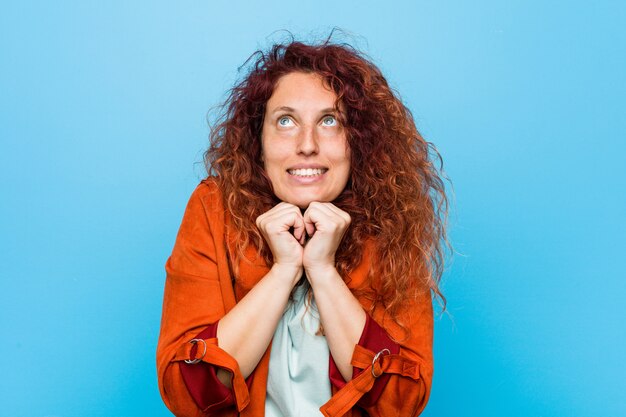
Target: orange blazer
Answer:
[[199, 290]]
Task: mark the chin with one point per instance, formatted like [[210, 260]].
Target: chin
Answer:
[[303, 201]]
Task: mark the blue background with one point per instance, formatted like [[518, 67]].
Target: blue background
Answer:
[[103, 123]]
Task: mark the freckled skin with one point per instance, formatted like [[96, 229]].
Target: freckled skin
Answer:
[[302, 130]]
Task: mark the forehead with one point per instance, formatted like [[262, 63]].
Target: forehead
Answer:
[[303, 91]]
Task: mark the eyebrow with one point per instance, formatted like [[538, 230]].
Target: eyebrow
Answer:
[[292, 110]]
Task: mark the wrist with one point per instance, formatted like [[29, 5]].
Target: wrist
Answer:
[[319, 274], [289, 272]]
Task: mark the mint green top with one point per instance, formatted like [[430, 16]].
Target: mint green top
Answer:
[[297, 383]]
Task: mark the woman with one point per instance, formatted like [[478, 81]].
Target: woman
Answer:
[[302, 274]]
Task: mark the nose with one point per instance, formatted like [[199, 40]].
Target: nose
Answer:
[[308, 141]]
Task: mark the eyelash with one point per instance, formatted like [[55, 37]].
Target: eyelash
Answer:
[[283, 118], [329, 116], [324, 118]]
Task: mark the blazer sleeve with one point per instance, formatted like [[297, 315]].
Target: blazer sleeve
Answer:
[[376, 339], [393, 366], [188, 353]]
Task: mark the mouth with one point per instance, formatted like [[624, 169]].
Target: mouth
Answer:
[[307, 172]]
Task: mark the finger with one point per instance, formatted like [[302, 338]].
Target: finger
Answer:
[[288, 219], [317, 213], [277, 212], [299, 228], [309, 222], [327, 217], [310, 228], [312, 217], [280, 207], [336, 210]]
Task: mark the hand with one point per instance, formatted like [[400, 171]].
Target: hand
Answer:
[[275, 226], [326, 225]]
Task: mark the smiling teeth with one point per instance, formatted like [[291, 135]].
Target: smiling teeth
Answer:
[[308, 172]]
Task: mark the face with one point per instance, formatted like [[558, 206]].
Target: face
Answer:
[[305, 150]]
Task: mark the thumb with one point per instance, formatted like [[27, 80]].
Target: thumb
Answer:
[[299, 229], [309, 225]]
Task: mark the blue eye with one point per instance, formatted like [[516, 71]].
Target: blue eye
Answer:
[[329, 121], [284, 121]]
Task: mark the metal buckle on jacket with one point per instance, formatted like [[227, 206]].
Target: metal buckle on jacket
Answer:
[[196, 360], [376, 358]]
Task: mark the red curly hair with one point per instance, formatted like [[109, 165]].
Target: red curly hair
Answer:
[[395, 194]]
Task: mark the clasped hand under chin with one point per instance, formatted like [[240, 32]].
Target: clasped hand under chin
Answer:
[[309, 239]]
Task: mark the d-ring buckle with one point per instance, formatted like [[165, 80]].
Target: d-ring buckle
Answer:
[[376, 357], [196, 360]]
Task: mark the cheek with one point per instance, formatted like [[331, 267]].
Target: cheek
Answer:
[[343, 155], [347, 161], [272, 160]]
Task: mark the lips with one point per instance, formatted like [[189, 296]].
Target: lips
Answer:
[[307, 172]]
